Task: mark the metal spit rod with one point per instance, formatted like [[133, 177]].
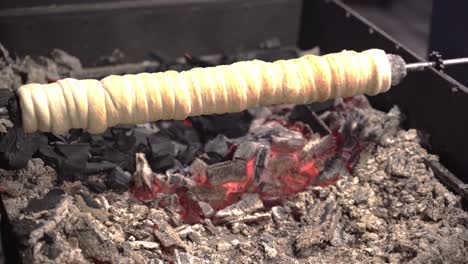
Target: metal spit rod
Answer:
[[421, 66]]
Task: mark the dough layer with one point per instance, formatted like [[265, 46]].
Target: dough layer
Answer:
[[132, 99]]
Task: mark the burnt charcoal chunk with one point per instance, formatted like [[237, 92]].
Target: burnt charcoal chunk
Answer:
[[218, 145], [161, 145], [229, 171], [75, 153], [99, 167], [119, 180], [162, 152], [124, 138], [125, 160], [68, 160], [180, 132], [247, 150], [50, 201], [49, 156], [17, 148], [231, 125], [9, 244], [189, 154]]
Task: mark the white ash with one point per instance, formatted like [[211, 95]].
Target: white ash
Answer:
[[391, 209]]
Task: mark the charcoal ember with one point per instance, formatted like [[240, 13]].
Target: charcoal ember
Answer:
[[118, 180], [17, 148], [332, 170], [217, 146], [198, 170], [228, 171], [318, 148], [320, 226], [261, 162], [231, 125], [213, 195], [287, 144], [247, 150], [162, 152], [249, 204], [48, 202]]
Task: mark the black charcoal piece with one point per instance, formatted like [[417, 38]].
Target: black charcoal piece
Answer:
[[217, 145], [69, 160], [125, 160], [231, 125], [119, 180], [162, 154], [75, 153], [17, 148], [125, 141], [9, 241], [48, 202], [99, 167], [180, 132], [189, 154], [161, 145]]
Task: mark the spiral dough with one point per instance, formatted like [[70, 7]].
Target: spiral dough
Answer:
[[132, 99]]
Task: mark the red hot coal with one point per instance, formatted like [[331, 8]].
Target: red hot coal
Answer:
[[278, 157]]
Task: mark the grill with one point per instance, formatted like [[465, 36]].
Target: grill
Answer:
[[339, 180]]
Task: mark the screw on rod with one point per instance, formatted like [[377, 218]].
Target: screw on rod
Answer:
[[436, 61]]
